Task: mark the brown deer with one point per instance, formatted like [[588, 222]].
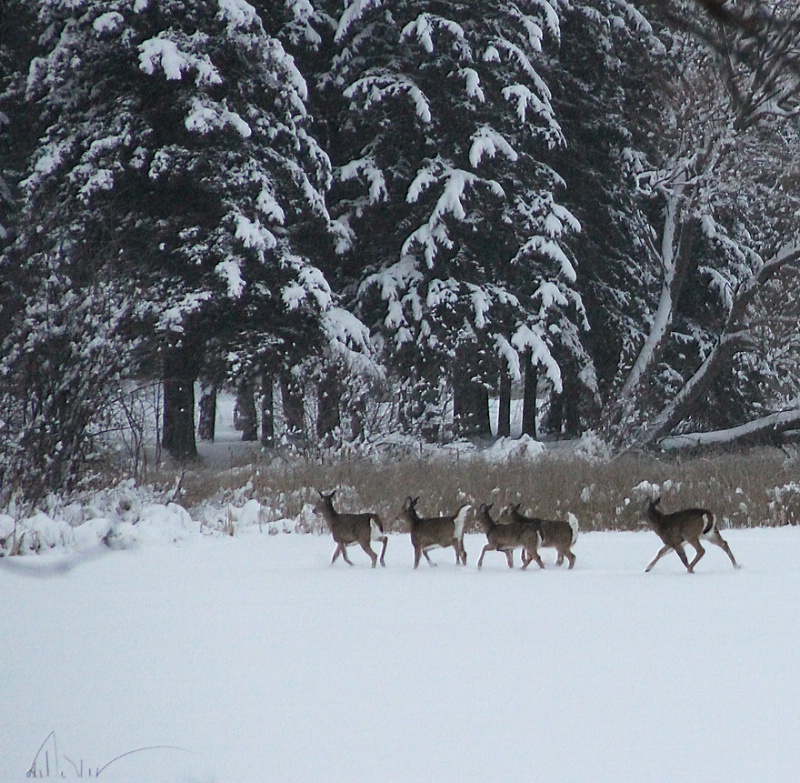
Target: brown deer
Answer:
[[685, 527], [501, 538], [348, 529], [435, 532], [552, 533]]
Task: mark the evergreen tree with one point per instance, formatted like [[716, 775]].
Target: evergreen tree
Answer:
[[458, 251], [174, 159]]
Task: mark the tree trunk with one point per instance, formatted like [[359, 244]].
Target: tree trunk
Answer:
[[178, 431], [246, 418], [529, 399], [207, 424], [267, 412], [471, 407], [358, 415], [504, 411], [293, 408], [328, 414]]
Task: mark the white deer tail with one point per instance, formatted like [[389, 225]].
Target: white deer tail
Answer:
[[573, 523], [376, 529], [460, 521]]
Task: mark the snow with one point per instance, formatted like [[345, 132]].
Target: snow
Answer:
[[238, 13], [251, 658], [206, 117], [173, 61], [108, 22]]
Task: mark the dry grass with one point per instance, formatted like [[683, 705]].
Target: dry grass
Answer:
[[744, 489]]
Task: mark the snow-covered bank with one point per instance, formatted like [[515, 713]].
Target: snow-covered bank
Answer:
[[260, 661]]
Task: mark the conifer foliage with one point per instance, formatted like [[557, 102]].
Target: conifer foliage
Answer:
[[426, 199]]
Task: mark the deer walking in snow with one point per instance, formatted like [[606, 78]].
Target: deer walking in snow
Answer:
[[685, 527], [348, 529], [435, 532], [554, 533], [502, 538]]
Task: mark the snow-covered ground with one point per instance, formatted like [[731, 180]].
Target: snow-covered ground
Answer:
[[253, 659]]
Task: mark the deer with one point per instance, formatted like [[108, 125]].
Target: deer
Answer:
[[685, 527], [435, 532], [553, 533], [501, 538], [348, 529]]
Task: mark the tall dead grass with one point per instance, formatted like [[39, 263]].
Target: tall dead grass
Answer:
[[744, 489]]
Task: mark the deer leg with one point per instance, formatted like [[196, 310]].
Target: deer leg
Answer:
[[682, 555], [560, 560], [463, 553], [344, 554], [533, 554], [700, 552], [510, 557], [717, 539], [487, 548], [385, 540], [336, 553], [428, 558], [368, 549], [666, 549], [571, 557]]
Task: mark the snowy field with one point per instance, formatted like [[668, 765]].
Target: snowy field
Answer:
[[253, 659]]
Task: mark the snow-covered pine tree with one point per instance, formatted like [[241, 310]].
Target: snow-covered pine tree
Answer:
[[606, 87], [174, 158], [458, 250]]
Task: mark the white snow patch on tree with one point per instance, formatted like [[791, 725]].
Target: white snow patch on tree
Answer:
[[100, 180], [423, 29], [108, 22], [352, 13], [473, 84], [525, 339], [507, 351], [481, 304], [206, 117], [268, 205], [231, 272], [160, 51], [238, 13], [487, 141], [376, 88], [369, 170], [253, 234]]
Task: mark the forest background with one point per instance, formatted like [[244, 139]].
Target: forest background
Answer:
[[374, 216]]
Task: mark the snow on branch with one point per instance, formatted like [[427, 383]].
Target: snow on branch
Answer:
[[367, 168], [163, 52], [766, 425], [450, 202], [526, 340], [352, 13], [549, 248], [206, 117], [375, 88], [238, 13], [507, 352], [423, 29], [487, 141]]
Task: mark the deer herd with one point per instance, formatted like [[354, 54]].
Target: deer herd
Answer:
[[511, 530]]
